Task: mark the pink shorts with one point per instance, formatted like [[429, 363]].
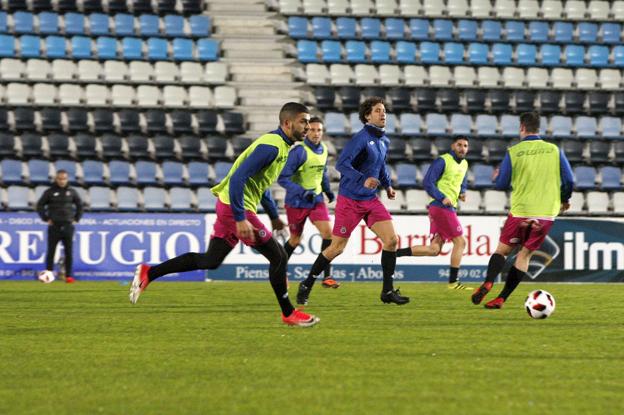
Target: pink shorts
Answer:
[[298, 216], [444, 223], [350, 212], [225, 227], [517, 231]]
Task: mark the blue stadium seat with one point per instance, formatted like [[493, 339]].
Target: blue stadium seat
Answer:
[[585, 177], [132, 48], [93, 172], [467, 30], [406, 175], [222, 168], [586, 127], [482, 176], [510, 125], [48, 23], [336, 123], [346, 27], [618, 56], [23, 22], [198, 173], [563, 32], [380, 51], [410, 124], [306, 51], [119, 172], [598, 55], [514, 31], [39, 171], [429, 52], [395, 28], [321, 27], [3, 22], [391, 124], [575, 55], [611, 178], [207, 50], [419, 29], [436, 124], [74, 24], [538, 31], [149, 25], [173, 173], [145, 172], [182, 49], [492, 30], [356, 124], [485, 125], [7, 46], [356, 51], [124, 24], [200, 25], [453, 53], [502, 53], [11, 171], [99, 24], [461, 124], [370, 28], [526, 54], [81, 47], [561, 127], [551, 55], [69, 166], [611, 128], [478, 53], [405, 52], [30, 46], [106, 47], [157, 49], [332, 51], [588, 32], [297, 27], [442, 29], [174, 25], [611, 32]]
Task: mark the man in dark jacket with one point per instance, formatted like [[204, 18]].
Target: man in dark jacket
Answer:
[[61, 207]]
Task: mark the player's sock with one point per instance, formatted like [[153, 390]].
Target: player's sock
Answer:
[[404, 251], [278, 261], [514, 277], [327, 270], [318, 267], [495, 266], [289, 248], [388, 264], [453, 276]]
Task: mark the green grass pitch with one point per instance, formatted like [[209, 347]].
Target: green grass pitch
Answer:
[[220, 348]]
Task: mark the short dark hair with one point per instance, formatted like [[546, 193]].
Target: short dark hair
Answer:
[[460, 137], [290, 110], [316, 119], [530, 121], [61, 171], [366, 107]]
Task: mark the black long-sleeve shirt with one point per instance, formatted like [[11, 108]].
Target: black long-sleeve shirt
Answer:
[[60, 204]]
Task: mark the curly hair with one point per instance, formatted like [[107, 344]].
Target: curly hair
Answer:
[[366, 107]]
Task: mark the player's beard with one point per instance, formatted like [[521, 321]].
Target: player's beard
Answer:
[[299, 136]]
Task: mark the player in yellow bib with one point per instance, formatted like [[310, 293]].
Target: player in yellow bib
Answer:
[[541, 183], [445, 181], [239, 194], [305, 179]]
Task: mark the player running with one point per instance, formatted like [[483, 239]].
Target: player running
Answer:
[[446, 183], [305, 179], [541, 182], [238, 196], [362, 165]]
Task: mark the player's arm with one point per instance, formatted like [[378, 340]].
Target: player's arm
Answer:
[[385, 181], [463, 188], [567, 180], [503, 176], [431, 178], [296, 158], [348, 155], [41, 205], [78, 204], [326, 186]]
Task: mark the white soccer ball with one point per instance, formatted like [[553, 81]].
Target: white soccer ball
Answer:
[[539, 304], [46, 276]]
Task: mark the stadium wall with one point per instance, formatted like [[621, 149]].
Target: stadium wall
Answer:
[[107, 246]]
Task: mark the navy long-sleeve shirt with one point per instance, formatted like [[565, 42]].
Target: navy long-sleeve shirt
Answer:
[[434, 173], [503, 181], [294, 191], [364, 156], [261, 157]]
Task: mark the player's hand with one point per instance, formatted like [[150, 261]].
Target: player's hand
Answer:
[[50, 222], [495, 174], [309, 195], [391, 193], [371, 183], [330, 196], [244, 230], [447, 202], [565, 206], [462, 197]]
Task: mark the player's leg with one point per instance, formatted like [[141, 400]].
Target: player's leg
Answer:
[[433, 249], [53, 239], [324, 229], [459, 244], [68, 246], [385, 231], [291, 244], [335, 248], [296, 222], [495, 266]]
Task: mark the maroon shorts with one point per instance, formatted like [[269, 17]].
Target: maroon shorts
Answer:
[[225, 227], [528, 232], [444, 223], [297, 216], [350, 212]]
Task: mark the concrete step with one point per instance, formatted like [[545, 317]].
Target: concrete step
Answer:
[[266, 68], [275, 101], [260, 77], [259, 93], [236, 6], [229, 31], [251, 21], [258, 54], [229, 44]]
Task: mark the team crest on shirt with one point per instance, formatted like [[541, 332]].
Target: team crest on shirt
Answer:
[[262, 233], [371, 142], [514, 240], [343, 229]]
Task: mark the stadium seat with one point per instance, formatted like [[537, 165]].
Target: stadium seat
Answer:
[[573, 150], [440, 76], [7, 145], [321, 27], [449, 99], [207, 50], [410, 124], [370, 28], [31, 145], [30, 46], [478, 54], [611, 128], [419, 29], [198, 173], [395, 28], [482, 176], [560, 127], [585, 178], [499, 100], [491, 30], [526, 54], [429, 52], [331, 51], [490, 77], [525, 101], [99, 24], [599, 151], [611, 178], [436, 124], [48, 23], [341, 74], [421, 149], [538, 31], [453, 53], [207, 121], [346, 27], [12, 172], [206, 201], [400, 98], [58, 145], [416, 200], [81, 47], [562, 78], [497, 149], [154, 198], [405, 52], [93, 172], [24, 119], [19, 198], [313, 7], [100, 198], [181, 122], [39, 171], [552, 9], [514, 31], [586, 127], [467, 30], [106, 47], [475, 100], [588, 32], [127, 199], [297, 27], [155, 121], [380, 52], [574, 102], [563, 31], [174, 25], [575, 9], [598, 56], [173, 173], [111, 146], [442, 29], [461, 124], [191, 147], [69, 166], [85, 145], [611, 33], [551, 55], [233, 123], [549, 101], [182, 49], [426, 99], [181, 199], [23, 22], [501, 54], [575, 55], [307, 51], [485, 125], [510, 125]]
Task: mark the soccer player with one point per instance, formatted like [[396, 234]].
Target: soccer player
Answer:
[[445, 182], [362, 167], [305, 179], [541, 182], [238, 196]]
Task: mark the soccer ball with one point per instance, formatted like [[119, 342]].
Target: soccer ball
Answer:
[[539, 304], [46, 276]]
